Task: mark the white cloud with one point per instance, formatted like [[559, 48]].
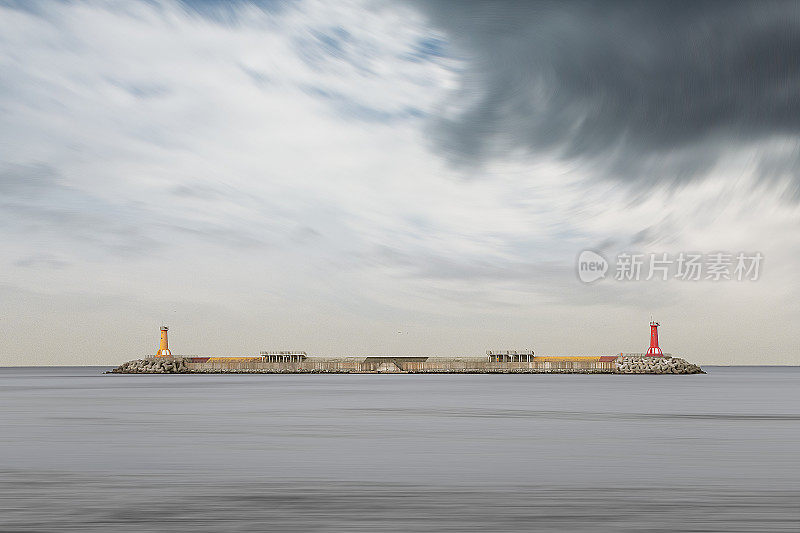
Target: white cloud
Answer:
[[275, 173]]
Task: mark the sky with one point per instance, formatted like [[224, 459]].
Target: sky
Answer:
[[397, 178]]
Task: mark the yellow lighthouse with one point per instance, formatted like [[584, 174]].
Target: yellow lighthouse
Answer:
[[163, 349]]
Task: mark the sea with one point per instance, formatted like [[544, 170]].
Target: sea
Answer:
[[81, 450]]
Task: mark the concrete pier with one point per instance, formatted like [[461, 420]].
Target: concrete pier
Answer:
[[622, 364]]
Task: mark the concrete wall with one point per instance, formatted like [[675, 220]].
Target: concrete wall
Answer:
[[375, 364], [432, 365]]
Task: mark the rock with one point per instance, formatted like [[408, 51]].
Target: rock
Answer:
[[655, 365]]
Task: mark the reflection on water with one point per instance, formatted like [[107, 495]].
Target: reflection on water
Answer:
[[84, 451]]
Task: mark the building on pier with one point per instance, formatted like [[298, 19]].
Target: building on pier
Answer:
[[510, 356], [283, 357]]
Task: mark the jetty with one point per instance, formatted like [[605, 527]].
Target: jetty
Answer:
[[619, 364], [654, 361]]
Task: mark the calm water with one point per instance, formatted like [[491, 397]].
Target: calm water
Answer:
[[82, 451]]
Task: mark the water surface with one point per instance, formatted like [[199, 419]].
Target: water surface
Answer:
[[83, 451]]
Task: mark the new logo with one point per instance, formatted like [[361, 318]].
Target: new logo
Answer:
[[591, 266]]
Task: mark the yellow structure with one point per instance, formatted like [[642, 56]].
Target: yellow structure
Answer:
[[163, 349]]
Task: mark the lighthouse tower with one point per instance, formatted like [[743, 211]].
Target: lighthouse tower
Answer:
[[163, 349], [654, 350]]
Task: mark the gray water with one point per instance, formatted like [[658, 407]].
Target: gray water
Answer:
[[83, 451]]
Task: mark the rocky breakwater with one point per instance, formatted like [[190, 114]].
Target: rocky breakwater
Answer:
[[655, 365], [152, 366]]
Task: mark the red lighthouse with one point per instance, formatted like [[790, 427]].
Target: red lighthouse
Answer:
[[654, 350]]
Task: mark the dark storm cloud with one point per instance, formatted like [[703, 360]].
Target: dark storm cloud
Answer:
[[635, 89]]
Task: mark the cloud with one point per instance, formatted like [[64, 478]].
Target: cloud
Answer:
[[216, 123], [272, 162], [41, 260], [639, 91], [35, 202]]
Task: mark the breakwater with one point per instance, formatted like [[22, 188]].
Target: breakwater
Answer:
[[627, 364]]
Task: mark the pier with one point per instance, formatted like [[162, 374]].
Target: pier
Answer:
[[619, 364], [654, 361]]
